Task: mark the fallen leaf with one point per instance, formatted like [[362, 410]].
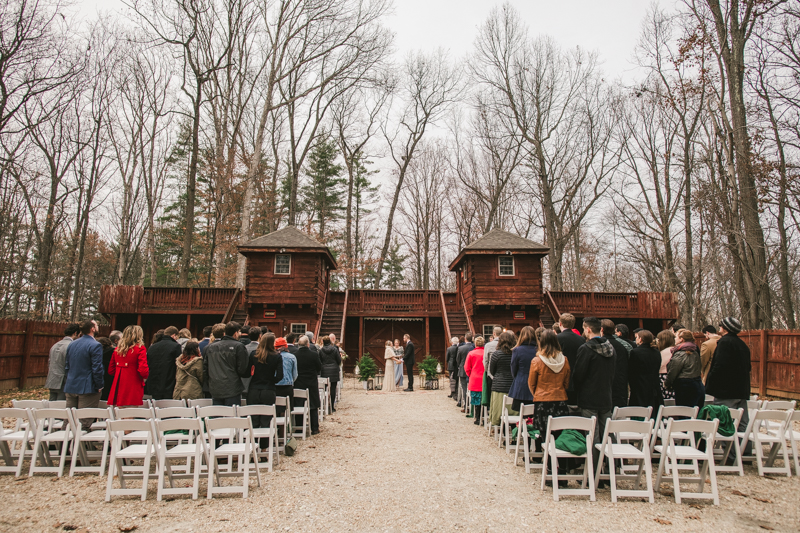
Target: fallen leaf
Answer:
[[69, 527], [737, 493], [300, 462], [312, 446], [763, 500], [767, 528], [696, 505], [57, 525], [663, 521], [126, 528], [690, 517]]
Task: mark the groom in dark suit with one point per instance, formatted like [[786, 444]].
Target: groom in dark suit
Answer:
[[408, 360]]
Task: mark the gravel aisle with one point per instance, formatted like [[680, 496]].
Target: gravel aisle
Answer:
[[394, 462]]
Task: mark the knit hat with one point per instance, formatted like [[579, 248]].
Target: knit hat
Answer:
[[280, 342], [731, 325]]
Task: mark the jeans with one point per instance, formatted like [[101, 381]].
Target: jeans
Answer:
[[57, 395], [599, 429], [229, 401], [83, 401], [261, 397]]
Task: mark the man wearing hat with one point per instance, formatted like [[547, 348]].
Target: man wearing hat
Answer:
[[728, 378]]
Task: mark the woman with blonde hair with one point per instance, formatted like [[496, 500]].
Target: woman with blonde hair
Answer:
[[389, 379], [129, 367], [665, 340]]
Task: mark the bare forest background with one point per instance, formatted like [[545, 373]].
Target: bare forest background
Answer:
[[143, 148]]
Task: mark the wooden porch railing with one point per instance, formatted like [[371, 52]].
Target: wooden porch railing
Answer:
[[344, 314], [464, 307], [321, 315], [232, 306], [645, 305], [444, 319]]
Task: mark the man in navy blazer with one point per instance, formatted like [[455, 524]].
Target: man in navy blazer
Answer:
[[84, 369]]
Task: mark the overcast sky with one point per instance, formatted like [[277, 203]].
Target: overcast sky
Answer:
[[610, 27]]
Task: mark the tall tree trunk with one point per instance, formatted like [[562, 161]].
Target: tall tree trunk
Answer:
[[191, 187]]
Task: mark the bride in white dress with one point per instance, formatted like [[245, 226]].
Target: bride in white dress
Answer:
[[388, 380]]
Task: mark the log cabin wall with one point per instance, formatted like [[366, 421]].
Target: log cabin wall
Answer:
[[305, 283]]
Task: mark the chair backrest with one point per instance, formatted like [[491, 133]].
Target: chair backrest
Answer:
[[736, 416], [301, 393], [228, 423], [168, 403], [17, 413], [752, 405], [322, 382], [54, 414], [201, 402], [91, 412], [255, 410], [692, 426], [626, 413], [57, 404], [164, 413], [507, 402], [216, 411], [29, 404], [666, 412], [128, 413], [526, 410], [571, 422], [779, 405], [130, 424], [102, 404], [179, 424], [634, 429], [774, 415], [282, 401]]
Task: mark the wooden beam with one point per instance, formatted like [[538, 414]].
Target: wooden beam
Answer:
[[27, 347], [762, 365], [360, 337], [427, 335]]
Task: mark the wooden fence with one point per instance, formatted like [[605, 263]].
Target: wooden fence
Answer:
[[25, 350], [777, 373]]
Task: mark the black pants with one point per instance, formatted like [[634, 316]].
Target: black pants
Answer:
[[332, 392], [230, 401], [283, 390], [261, 397], [410, 368], [689, 392]]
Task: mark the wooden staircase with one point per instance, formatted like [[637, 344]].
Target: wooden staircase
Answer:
[[549, 313], [331, 323], [240, 316], [458, 323]]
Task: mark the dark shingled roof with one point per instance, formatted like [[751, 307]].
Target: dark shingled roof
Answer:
[[288, 237], [498, 239]]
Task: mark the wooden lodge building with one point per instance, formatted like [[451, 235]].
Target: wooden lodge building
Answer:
[[287, 288]]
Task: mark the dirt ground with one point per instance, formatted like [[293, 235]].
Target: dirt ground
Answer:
[[395, 462]]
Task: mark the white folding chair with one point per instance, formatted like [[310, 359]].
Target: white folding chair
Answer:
[[634, 430], [631, 413], [672, 452], [550, 451], [17, 436], [665, 414], [245, 449], [30, 404], [283, 421], [730, 444], [259, 433], [57, 404], [794, 438], [46, 418], [83, 440], [201, 402], [528, 445], [776, 405], [774, 438], [192, 452], [323, 384], [303, 410], [122, 449], [506, 420], [162, 404], [102, 404]]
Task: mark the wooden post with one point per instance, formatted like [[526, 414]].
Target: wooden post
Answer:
[[113, 322], [139, 319], [27, 347], [762, 364], [188, 320], [427, 335], [360, 336]]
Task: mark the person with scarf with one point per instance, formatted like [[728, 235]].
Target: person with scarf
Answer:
[[548, 381], [189, 373], [683, 372]]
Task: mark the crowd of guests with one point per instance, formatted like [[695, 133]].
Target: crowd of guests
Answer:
[[230, 363], [564, 371]]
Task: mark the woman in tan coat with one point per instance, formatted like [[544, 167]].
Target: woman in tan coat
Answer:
[[548, 380], [189, 374]]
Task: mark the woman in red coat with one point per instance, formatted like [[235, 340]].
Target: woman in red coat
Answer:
[[129, 368]]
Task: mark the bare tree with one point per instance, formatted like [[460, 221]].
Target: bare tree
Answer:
[[429, 86]]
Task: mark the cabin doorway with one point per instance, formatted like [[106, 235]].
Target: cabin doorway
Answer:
[[378, 331]]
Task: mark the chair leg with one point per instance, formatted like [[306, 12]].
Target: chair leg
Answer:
[[162, 463], [676, 480], [759, 454], [145, 476], [544, 462], [212, 467], [554, 476], [612, 476]]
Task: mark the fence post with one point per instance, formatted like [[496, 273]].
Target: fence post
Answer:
[[762, 363], [27, 346]]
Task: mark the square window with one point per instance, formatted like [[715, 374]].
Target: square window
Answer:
[[299, 329], [488, 331], [283, 264], [506, 265]]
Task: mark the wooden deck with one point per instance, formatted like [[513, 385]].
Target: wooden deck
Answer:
[[642, 305], [135, 299]]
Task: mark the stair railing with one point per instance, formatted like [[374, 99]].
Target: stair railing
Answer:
[[551, 304], [233, 306], [344, 314], [466, 315], [321, 314], [444, 319]]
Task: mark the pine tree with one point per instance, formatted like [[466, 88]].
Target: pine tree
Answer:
[[324, 193]]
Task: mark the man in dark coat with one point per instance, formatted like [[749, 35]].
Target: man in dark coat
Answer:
[[570, 342], [461, 359], [83, 370], [452, 366], [225, 363], [309, 368], [311, 346], [594, 378], [621, 332], [408, 361], [728, 378], [291, 347], [161, 358], [619, 389]]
